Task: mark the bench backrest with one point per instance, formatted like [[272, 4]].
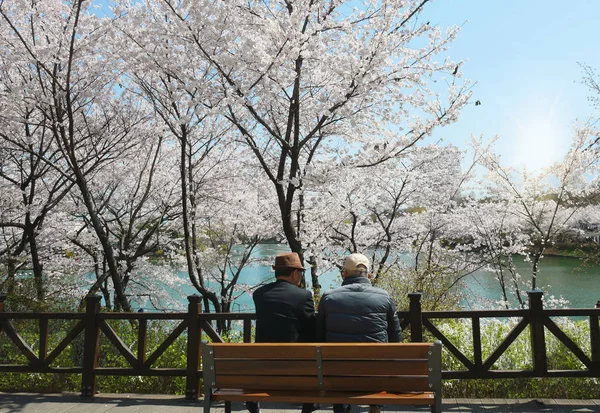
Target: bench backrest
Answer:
[[392, 367]]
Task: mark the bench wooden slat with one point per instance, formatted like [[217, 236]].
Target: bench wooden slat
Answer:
[[368, 383], [374, 367], [267, 351], [253, 367], [250, 367], [425, 398], [374, 351], [374, 383], [268, 382], [306, 351]]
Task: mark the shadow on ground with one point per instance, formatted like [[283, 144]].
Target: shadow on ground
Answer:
[[55, 403], [73, 403]]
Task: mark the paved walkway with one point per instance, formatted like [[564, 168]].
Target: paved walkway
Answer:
[[127, 403]]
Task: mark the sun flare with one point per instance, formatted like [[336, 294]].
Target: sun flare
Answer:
[[541, 140]]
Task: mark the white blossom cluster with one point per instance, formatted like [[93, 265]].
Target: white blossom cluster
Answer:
[[147, 149]]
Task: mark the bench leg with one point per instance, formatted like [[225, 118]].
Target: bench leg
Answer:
[[227, 407], [207, 404]]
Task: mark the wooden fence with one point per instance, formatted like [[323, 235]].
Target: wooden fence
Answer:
[[94, 323]]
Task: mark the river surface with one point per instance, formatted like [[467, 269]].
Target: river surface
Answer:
[[558, 277]]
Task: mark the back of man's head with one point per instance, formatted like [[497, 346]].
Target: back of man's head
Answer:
[[356, 265]]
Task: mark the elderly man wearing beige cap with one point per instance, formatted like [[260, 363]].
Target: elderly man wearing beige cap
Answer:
[[357, 312]]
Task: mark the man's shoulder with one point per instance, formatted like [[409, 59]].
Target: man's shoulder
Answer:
[[377, 290], [298, 291], [281, 286], [335, 292], [264, 288], [354, 288]]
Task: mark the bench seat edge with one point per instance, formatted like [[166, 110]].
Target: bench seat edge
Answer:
[[418, 398]]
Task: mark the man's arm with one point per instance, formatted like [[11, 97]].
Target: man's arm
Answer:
[[257, 309], [394, 329], [308, 316], [321, 315]]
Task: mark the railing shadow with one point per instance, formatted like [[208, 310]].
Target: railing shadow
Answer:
[[19, 402]]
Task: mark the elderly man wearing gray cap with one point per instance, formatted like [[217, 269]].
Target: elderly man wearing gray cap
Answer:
[[357, 312]]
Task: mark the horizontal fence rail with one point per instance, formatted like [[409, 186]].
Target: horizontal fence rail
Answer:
[[194, 325]]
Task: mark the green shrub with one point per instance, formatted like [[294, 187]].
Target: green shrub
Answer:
[[38, 382], [175, 356], [517, 357]]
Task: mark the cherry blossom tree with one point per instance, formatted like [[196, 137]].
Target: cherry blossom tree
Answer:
[[218, 244], [300, 79], [545, 204], [28, 167], [401, 213], [592, 80], [237, 215], [57, 46], [496, 235], [138, 198], [202, 128]]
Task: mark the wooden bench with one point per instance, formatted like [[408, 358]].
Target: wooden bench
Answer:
[[344, 373]]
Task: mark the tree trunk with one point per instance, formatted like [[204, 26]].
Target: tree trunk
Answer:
[[35, 260], [109, 255], [11, 270], [292, 238], [314, 273], [535, 268], [188, 238]]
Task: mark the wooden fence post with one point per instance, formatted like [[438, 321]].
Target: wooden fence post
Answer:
[[247, 330], [415, 316], [2, 299], [536, 326], [594, 338], [192, 382], [91, 345]]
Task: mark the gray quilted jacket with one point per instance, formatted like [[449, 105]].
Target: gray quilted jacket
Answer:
[[357, 312]]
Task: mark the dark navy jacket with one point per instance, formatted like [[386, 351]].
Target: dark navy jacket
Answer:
[[357, 312], [285, 313]]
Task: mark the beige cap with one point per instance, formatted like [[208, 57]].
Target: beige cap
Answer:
[[356, 262]]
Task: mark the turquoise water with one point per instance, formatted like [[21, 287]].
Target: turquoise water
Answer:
[[257, 274], [561, 277], [558, 276]]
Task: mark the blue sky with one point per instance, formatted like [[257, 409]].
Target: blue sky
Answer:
[[524, 56]]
